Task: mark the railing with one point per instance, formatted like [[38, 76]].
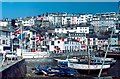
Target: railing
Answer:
[[7, 61]]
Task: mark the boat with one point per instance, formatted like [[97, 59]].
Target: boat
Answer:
[[88, 64], [38, 70], [99, 60], [65, 61], [54, 71], [85, 67], [112, 54]]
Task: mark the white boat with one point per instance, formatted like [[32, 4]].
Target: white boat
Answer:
[[110, 61], [88, 65], [80, 66], [74, 59], [65, 61], [86, 68]]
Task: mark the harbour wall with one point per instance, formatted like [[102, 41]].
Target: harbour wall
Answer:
[[14, 70]]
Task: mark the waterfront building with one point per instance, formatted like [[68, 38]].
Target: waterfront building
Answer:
[[81, 28], [113, 42], [79, 37], [102, 42], [92, 41], [72, 45], [76, 18], [28, 21], [4, 39], [103, 21], [3, 23], [64, 45]]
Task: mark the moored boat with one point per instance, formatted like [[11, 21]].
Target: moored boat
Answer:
[[55, 71], [85, 67], [65, 61], [99, 60]]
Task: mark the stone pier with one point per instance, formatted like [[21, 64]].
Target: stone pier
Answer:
[[16, 69]]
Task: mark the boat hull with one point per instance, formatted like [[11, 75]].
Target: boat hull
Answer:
[[85, 68]]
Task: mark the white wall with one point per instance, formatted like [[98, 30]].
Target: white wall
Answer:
[[3, 23]]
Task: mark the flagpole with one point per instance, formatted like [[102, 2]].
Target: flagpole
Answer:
[[12, 43]]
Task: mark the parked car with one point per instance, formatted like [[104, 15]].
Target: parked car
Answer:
[[11, 55]]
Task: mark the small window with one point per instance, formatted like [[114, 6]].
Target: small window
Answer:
[[3, 42], [0, 41], [6, 42], [52, 42], [58, 42]]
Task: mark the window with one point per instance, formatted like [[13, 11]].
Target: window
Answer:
[[0, 41], [33, 33], [52, 42], [4, 33], [3, 42], [6, 42], [58, 42]]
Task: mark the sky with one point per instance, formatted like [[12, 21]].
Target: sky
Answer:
[[60, 0], [0, 10], [22, 9]]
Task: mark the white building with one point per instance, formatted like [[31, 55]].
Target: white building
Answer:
[[92, 42], [4, 40], [76, 18], [28, 22], [107, 19], [63, 45], [72, 45], [82, 28], [3, 23], [103, 42]]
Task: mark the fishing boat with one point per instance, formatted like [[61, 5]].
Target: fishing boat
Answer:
[[85, 67], [89, 64], [99, 60], [112, 54], [65, 61], [55, 71]]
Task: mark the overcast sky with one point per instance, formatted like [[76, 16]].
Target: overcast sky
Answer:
[[60, 0]]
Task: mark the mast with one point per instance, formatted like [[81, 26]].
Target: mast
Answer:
[[35, 41], [21, 42], [88, 60], [105, 54], [117, 21]]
